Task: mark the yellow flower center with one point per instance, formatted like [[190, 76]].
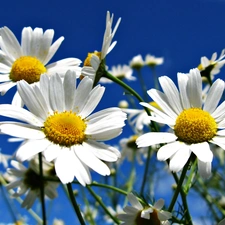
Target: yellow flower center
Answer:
[[194, 126], [27, 68], [87, 61], [154, 220], [132, 142], [65, 129]]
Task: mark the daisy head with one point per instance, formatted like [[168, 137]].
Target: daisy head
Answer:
[[59, 123], [28, 180], [195, 123], [137, 62], [94, 64], [211, 67], [139, 214], [152, 61], [28, 60], [121, 72]]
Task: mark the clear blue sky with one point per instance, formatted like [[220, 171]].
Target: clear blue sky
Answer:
[[180, 31]]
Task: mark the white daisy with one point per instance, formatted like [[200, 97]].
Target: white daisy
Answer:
[[137, 62], [211, 67], [195, 123], [59, 124], [138, 214], [95, 60], [121, 72], [28, 60], [152, 61], [129, 149], [27, 181]]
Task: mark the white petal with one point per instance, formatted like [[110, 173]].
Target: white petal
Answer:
[[154, 138], [202, 151], [92, 161], [30, 148], [168, 150], [56, 94], [21, 130], [194, 88], [204, 169], [214, 96], [179, 159], [134, 202], [52, 152], [159, 204], [19, 114]]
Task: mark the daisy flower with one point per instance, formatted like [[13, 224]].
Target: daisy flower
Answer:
[[59, 124], [28, 60], [211, 67], [121, 72], [94, 64], [194, 123], [27, 181], [152, 61], [137, 62], [129, 149], [138, 214]]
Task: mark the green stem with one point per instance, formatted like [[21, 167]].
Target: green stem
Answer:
[[42, 191], [133, 92], [144, 89], [74, 203], [179, 186], [145, 172], [98, 199]]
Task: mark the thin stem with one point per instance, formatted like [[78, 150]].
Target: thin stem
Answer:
[[145, 172], [98, 199], [42, 192], [74, 203], [144, 89], [179, 186], [134, 93]]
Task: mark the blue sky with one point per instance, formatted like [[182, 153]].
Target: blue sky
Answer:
[[179, 31]]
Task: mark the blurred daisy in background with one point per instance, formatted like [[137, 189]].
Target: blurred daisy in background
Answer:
[[138, 214], [29, 60], [137, 62], [152, 61], [121, 72], [28, 181]]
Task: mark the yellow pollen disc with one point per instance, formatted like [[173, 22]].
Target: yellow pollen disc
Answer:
[[27, 68], [65, 129], [194, 126], [200, 67], [132, 142], [87, 61]]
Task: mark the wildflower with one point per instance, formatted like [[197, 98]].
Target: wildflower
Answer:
[[59, 124], [195, 123], [28, 181], [138, 214], [152, 61], [28, 60], [121, 72], [210, 67], [94, 64], [137, 62]]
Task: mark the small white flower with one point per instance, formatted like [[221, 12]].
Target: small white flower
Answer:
[[137, 62], [27, 181], [195, 123], [137, 214], [211, 67], [130, 150], [59, 124], [92, 63], [152, 61], [121, 72], [29, 60]]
